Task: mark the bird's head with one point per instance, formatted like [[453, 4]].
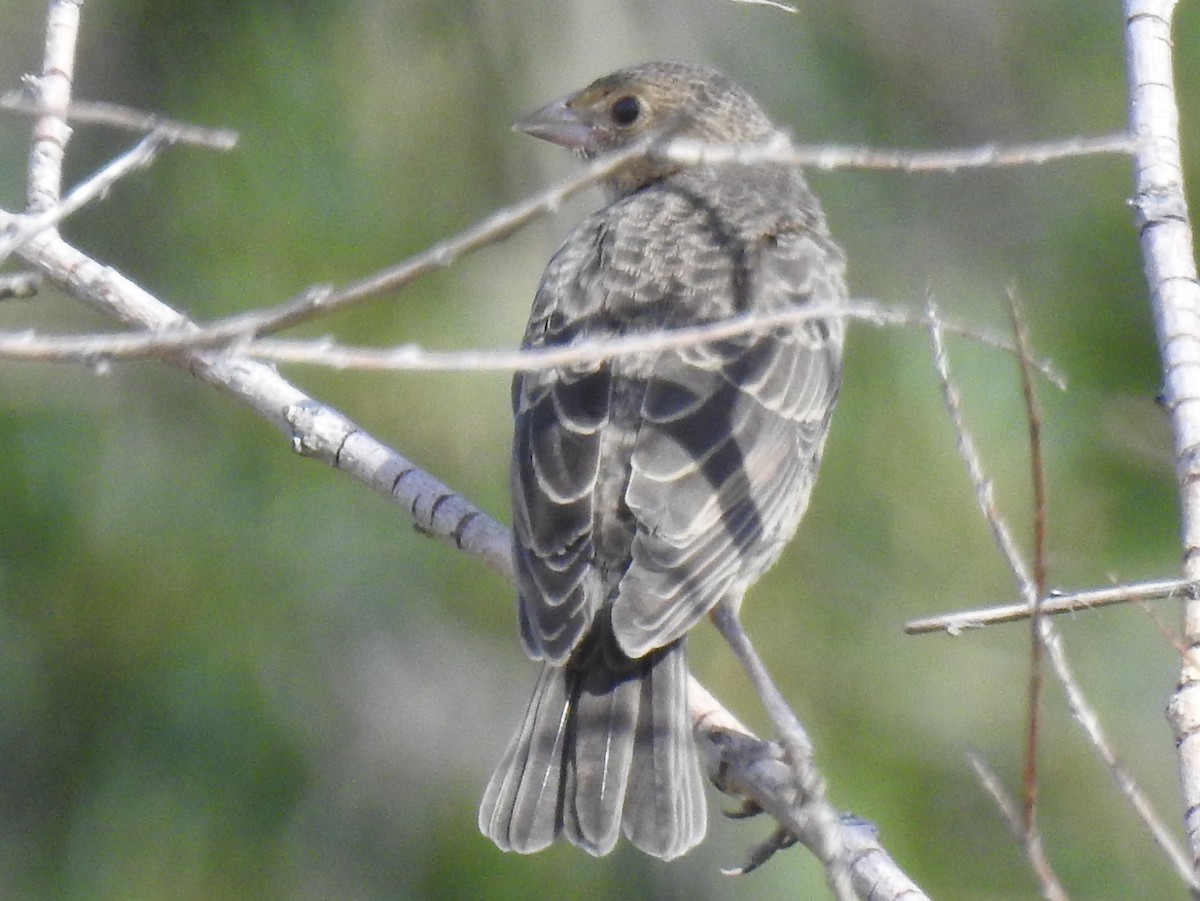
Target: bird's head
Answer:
[[673, 98]]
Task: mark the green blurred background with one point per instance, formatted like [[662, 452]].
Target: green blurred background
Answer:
[[228, 673]]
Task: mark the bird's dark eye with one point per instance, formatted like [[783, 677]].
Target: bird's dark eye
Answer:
[[625, 110]]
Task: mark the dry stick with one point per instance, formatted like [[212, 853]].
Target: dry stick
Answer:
[[137, 157], [1051, 889], [831, 156], [86, 349], [741, 764], [1082, 710], [1033, 415], [1030, 840], [322, 299], [129, 119], [1051, 605], [1161, 215], [1165, 631], [1086, 716], [798, 752], [505, 222]]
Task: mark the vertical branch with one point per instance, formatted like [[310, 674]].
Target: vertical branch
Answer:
[[1037, 475], [1165, 231], [50, 130]]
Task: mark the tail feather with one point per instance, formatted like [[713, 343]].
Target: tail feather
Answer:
[[599, 751], [665, 811], [521, 807]]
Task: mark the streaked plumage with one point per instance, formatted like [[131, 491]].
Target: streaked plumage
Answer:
[[649, 488]]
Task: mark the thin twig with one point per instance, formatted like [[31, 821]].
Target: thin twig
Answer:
[[830, 156], [1052, 889], [1084, 714], [320, 301], [798, 752], [1051, 605], [1165, 631], [984, 494], [1026, 828], [86, 349], [128, 119], [23, 228], [1082, 710], [1037, 474]]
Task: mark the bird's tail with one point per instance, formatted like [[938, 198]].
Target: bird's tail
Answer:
[[600, 749]]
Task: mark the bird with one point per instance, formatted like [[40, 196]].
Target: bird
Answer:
[[650, 489]]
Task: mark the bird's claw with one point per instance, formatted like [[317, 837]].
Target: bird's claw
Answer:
[[778, 840]]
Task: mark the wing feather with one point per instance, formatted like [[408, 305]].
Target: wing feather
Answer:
[[664, 483]]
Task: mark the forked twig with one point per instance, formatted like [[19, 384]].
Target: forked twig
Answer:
[[1031, 840], [1027, 829], [23, 228], [1082, 710]]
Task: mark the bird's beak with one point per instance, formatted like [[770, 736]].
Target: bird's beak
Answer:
[[557, 123]]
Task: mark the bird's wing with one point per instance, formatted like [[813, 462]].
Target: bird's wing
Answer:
[[674, 478], [728, 449], [559, 415]]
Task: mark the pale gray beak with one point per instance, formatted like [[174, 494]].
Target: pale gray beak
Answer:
[[557, 123]]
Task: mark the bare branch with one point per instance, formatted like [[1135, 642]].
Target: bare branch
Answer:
[[827, 156], [1048, 637], [1167, 241], [1031, 841], [1037, 475], [321, 300], [53, 87], [824, 825], [1024, 827], [984, 494], [1086, 716], [128, 119], [21, 229], [1053, 604], [86, 349]]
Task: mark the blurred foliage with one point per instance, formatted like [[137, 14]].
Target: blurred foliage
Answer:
[[226, 673]]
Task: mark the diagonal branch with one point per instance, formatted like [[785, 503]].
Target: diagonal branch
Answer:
[[1025, 827], [21, 229], [1049, 639]]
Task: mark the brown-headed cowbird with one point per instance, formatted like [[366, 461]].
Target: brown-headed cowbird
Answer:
[[647, 489]]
